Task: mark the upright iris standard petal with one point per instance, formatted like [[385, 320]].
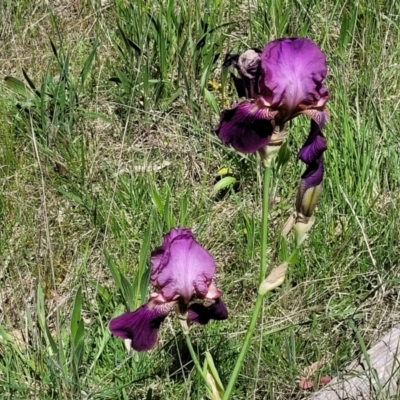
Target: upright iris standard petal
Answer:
[[292, 72], [201, 314], [157, 255], [246, 127], [181, 268], [140, 326]]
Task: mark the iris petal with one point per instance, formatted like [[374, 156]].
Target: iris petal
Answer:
[[200, 314], [313, 175], [181, 267], [292, 71], [314, 145], [312, 154], [140, 326], [158, 254], [246, 126], [310, 188]]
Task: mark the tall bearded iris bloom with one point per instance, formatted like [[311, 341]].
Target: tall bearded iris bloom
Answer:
[[280, 82], [182, 273]]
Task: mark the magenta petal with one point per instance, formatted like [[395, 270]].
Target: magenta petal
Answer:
[[312, 154], [292, 71], [200, 314], [310, 189], [313, 175], [245, 127], [158, 254], [314, 146], [140, 326], [181, 267]]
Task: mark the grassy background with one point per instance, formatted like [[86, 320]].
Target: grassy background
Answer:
[[106, 118]]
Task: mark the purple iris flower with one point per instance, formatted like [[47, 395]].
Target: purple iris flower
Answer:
[[280, 82], [183, 275]]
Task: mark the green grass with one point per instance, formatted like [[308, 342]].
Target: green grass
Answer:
[[106, 143]]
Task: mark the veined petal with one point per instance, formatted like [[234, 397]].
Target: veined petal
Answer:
[[312, 154], [200, 314], [140, 326], [292, 72], [314, 145], [158, 254], [181, 268], [246, 126], [310, 188]]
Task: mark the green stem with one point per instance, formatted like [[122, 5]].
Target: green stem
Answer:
[[259, 301], [196, 360], [264, 222], [245, 347]]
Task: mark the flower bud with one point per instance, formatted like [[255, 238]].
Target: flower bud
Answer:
[[307, 200]]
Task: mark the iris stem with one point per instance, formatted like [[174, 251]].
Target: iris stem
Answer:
[[196, 360], [259, 301], [264, 222]]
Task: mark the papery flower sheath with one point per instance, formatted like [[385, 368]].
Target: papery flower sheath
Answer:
[[183, 275]]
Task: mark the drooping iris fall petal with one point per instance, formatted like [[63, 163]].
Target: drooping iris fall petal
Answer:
[[181, 268], [200, 314], [140, 326], [292, 72], [246, 127]]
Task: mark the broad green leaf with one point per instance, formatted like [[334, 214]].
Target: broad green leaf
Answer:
[[156, 199], [127, 292], [89, 61], [224, 183], [114, 271], [201, 41], [30, 83], [77, 325], [168, 217], [71, 196], [16, 85], [211, 374], [211, 101], [40, 313], [101, 289], [53, 47], [183, 210], [213, 370], [144, 250]]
